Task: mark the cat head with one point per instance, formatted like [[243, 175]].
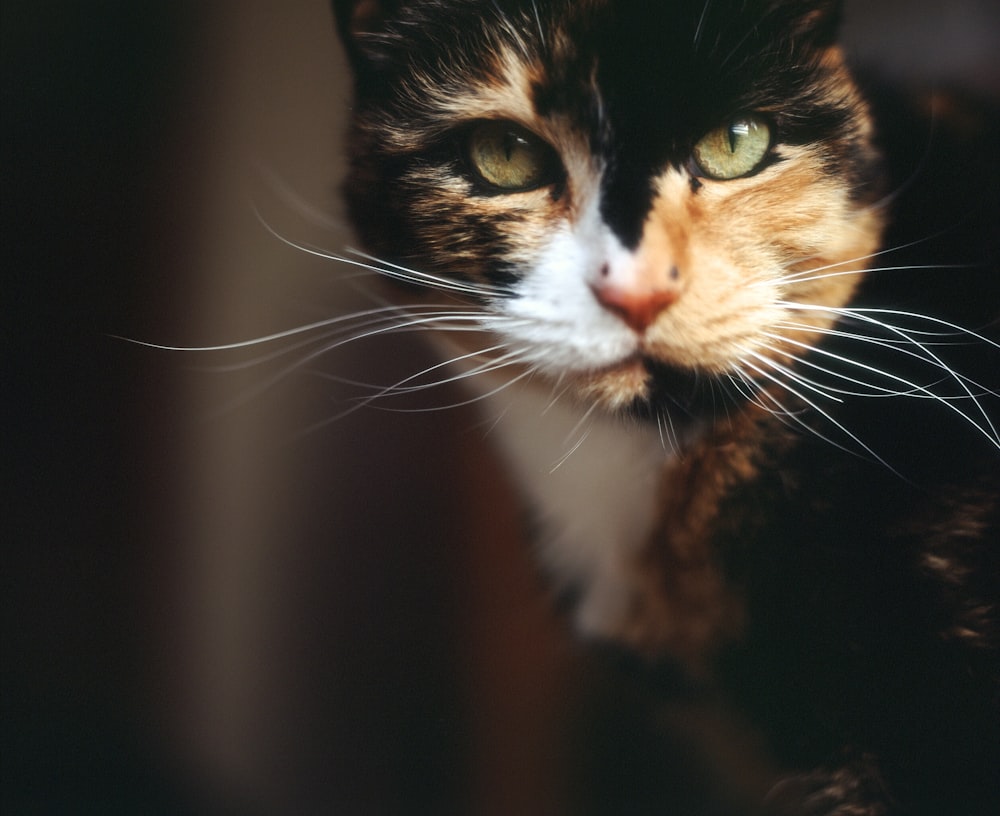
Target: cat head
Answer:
[[631, 197]]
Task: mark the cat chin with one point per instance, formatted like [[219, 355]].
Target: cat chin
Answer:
[[616, 388], [647, 389]]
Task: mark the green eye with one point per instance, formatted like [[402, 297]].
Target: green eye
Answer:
[[508, 157], [735, 149]]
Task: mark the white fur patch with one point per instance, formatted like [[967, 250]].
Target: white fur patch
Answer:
[[593, 482], [554, 320]]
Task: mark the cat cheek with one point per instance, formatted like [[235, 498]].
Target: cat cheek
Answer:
[[726, 306]]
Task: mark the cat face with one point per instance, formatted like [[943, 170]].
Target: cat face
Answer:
[[630, 200]]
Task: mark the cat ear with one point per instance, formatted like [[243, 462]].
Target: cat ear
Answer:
[[822, 22], [816, 21], [356, 18], [362, 16]]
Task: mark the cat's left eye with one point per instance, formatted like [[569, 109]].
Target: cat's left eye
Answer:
[[736, 149], [508, 157]]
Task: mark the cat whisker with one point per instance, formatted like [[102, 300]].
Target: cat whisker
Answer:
[[947, 339], [871, 317], [485, 367], [668, 433], [267, 338], [659, 429], [402, 321], [874, 391], [736, 48], [556, 396], [865, 313], [389, 269], [746, 387], [791, 389], [803, 277], [538, 22], [699, 29], [421, 322], [790, 418], [372, 400], [897, 347], [915, 390], [755, 393], [478, 397], [294, 201], [388, 318], [585, 419], [794, 376], [566, 456], [410, 275], [400, 389]]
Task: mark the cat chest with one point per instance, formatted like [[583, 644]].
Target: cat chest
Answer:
[[591, 484]]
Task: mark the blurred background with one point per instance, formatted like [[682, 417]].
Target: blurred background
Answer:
[[206, 610]]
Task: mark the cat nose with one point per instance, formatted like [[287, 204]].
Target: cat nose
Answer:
[[637, 300]]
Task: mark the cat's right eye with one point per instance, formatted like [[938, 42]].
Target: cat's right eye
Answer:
[[509, 158]]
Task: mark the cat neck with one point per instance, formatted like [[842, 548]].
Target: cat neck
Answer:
[[591, 483]]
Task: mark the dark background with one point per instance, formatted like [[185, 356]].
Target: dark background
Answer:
[[200, 615]]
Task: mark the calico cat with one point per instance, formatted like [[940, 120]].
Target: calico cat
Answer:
[[742, 344]]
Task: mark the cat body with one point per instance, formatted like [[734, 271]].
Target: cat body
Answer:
[[746, 379]]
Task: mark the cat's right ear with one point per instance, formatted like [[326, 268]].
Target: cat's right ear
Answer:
[[357, 21]]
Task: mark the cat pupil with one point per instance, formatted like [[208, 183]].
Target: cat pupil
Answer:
[[510, 144], [736, 131]]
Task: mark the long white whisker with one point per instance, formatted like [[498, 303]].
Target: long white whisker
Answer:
[[819, 274], [946, 338], [371, 402], [914, 389], [864, 315], [797, 393], [437, 321], [485, 367], [794, 376], [752, 390], [586, 418], [895, 346], [350, 333], [399, 388], [387, 268], [479, 397], [879, 253], [565, 457], [419, 324], [957, 329], [659, 430], [268, 338], [556, 396], [791, 277], [415, 276]]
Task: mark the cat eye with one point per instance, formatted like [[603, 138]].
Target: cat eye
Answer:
[[508, 157], [736, 149]]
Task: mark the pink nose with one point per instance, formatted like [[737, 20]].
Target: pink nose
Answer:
[[637, 305]]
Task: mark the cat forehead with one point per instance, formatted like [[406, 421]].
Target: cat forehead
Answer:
[[665, 65]]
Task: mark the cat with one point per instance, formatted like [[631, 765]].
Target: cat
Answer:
[[738, 318]]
